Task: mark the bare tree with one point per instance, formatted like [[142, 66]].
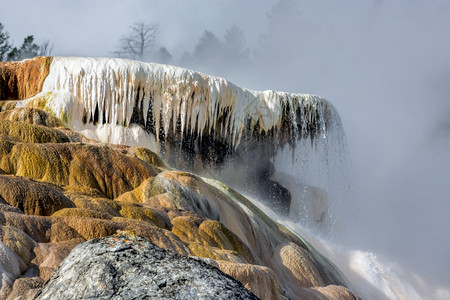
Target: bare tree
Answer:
[[140, 39], [5, 45], [45, 48]]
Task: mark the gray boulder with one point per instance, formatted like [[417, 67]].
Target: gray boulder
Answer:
[[131, 267]]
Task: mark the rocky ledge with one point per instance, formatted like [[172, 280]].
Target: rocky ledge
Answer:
[[130, 267]]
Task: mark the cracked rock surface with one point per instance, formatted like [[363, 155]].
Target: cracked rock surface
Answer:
[[131, 267]]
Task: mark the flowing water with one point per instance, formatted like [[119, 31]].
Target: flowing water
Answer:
[[369, 276]]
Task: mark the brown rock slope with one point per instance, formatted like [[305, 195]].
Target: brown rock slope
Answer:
[[23, 79], [56, 192]]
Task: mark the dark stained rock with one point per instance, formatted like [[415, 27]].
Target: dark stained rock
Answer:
[[271, 192], [131, 267]]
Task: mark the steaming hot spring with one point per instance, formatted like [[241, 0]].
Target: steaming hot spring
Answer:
[[238, 192]]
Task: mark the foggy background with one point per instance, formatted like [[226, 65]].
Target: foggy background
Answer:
[[385, 65]]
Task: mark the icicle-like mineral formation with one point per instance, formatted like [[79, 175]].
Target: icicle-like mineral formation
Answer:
[[201, 114]]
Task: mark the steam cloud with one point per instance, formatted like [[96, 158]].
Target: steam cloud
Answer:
[[384, 64]]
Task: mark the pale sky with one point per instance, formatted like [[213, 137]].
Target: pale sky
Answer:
[[92, 28], [384, 64]]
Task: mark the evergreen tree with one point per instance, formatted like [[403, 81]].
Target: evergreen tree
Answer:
[[5, 45], [28, 50]]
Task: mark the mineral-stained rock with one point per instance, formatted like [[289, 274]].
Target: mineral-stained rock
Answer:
[[31, 197], [215, 253], [25, 288], [35, 125], [148, 156], [18, 241], [210, 233], [130, 267], [32, 133], [144, 213], [160, 237], [61, 232], [218, 227], [97, 167], [11, 265], [260, 280], [36, 227], [5, 207], [95, 202], [30, 116], [333, 292], [300, 264], [81, 212], [23, 79], [50, 255]]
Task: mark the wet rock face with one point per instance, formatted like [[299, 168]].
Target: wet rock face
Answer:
[[270, 191], [131, 267]]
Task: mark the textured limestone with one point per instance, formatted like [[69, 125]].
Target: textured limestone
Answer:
[[130, 267], [95, 202], [145, 213], [51, 129], [147, 156], [36, 227], [97, 167], [11, 265], [31, 197], [300, 263], [90, 190], [30, 116], [18, 241], [289, 257], [25, 288], [35, 134], [260, 280], [48, 256], [81, 212], [333, 292], [198, 233]]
